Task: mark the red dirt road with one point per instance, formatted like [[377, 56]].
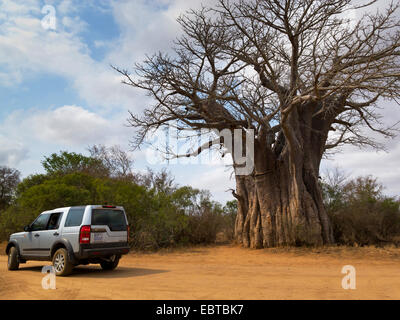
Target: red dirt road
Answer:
[[222, 272]]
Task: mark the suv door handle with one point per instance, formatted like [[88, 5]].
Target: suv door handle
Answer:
[[37, 235], [56, 234]]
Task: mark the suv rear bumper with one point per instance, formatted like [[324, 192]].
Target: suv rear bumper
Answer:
[[88, 251]]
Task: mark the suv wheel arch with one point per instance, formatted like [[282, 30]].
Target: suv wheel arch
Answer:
[[63, 243], [13, 244]]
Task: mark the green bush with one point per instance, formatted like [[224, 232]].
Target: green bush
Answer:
[[160, 214], [360, 213]]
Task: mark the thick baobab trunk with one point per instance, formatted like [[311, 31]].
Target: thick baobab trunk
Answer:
[[281, 203], [276, 209]]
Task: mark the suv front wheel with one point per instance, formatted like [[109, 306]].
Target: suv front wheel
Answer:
[[13, 262], [61, 263]]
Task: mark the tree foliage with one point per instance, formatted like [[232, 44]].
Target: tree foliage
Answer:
[[9, 179], [117, 162], [160, 213], [69, 162], [361, 214]]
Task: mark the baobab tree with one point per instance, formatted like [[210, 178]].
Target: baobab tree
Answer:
[[304, 76]]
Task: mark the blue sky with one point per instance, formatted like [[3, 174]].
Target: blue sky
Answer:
[[58, 91]]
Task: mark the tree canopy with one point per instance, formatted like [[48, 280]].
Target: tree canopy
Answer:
[[160, 212], [257, 61]]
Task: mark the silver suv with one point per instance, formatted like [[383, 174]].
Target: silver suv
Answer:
[[72, 236]]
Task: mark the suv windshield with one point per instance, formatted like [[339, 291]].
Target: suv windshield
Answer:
[[114, 219]]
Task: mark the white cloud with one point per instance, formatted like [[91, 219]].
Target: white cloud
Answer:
[[74, 25], [69, 126], [19, 7], [11, 153], [67, 7], [26, 136], [27, 49], [148, 26]]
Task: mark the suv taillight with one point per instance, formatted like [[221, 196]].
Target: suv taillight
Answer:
[[84, 235], [127, 231]]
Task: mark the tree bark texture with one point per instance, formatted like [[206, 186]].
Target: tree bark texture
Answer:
[[281, 203]]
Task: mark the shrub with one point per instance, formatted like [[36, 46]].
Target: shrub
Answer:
[[160, 213], [360, 213]]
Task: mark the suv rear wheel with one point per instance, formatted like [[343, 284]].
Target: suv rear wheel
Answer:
[[61, 263], [110, 264], [13, 262]]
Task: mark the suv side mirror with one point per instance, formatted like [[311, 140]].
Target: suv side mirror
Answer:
[[27, 228]]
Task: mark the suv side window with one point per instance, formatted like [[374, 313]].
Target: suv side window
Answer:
[[40, 223], [54, 221], [75, 216]]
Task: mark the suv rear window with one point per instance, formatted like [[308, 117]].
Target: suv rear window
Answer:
[[74, 217], [114, 219]]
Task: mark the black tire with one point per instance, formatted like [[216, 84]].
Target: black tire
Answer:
[[61, 263], [13, 260], [110, 265]]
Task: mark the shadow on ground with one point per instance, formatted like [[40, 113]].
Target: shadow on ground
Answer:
[[94, 271]]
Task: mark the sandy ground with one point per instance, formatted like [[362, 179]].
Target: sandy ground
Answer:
[[221, 272]]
